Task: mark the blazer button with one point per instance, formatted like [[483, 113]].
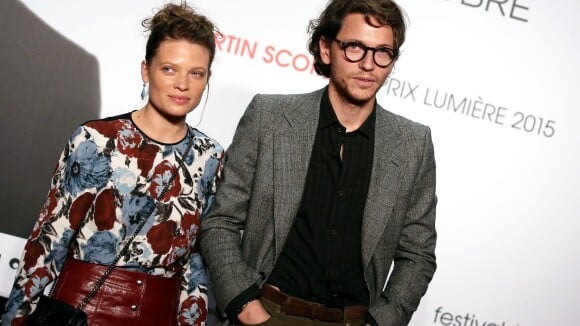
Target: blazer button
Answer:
[[139, 282], [134, 307]]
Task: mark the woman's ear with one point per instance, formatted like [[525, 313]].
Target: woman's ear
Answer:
[[144, 72]]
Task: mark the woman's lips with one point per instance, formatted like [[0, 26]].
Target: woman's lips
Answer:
[[179, 99]]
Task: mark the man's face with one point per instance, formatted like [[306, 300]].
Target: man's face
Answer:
[[357, 82]]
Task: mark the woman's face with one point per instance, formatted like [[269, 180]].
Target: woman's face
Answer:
[[177, 76]]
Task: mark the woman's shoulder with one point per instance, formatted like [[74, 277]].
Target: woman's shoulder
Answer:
[[112, 120], [107, 127], [201, 136]]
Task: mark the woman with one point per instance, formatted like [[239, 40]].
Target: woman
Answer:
[[144, 167]]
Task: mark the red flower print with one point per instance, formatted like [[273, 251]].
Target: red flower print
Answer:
[[161, 176], [33, 250], [146, 157], [193, 311], [37, 281], [19, 321], [78, 209], [106, 128], [160, 236], [105, 210], [45, 213], [188, 221]]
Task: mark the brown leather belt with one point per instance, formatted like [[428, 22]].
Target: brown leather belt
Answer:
[[302, 308]]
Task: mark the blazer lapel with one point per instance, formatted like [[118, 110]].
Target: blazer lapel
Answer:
[[387, 161], [293, 142]]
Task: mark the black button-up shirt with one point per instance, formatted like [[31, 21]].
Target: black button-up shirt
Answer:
[[321, 261]]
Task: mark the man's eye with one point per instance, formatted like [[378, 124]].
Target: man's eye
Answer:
[[353, 46], [385, 50]]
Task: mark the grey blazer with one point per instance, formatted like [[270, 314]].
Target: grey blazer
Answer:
[[261, 190]]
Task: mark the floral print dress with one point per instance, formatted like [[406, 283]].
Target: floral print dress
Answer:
[[108, 177]]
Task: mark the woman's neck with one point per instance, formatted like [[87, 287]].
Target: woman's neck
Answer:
[[158, 127]]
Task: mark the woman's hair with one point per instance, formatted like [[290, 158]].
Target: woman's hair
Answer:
[[329, 23], [179, 22]]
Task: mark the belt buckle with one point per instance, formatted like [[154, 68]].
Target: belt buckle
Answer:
[[313, 310]]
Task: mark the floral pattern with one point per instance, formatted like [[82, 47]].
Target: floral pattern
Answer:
[[109, 177]]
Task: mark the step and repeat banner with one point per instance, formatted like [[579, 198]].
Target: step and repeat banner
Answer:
[[496, 80]]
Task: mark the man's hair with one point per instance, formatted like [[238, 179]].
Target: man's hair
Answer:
[[386, 12], [179, 22]]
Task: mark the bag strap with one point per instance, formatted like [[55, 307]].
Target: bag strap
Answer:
[[123, 251]]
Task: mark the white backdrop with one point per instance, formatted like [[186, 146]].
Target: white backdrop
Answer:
[[496, 81]]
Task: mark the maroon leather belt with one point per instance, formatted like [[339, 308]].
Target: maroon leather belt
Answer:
[[125, 298], [301, 308]]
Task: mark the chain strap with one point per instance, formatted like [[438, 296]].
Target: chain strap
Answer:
[[123, 251]]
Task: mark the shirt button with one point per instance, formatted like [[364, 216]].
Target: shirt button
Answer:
[[340, 193], [139, 282], [134, 307], [333, 232]]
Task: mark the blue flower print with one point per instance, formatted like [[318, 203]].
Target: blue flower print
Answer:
[[134, 210], [39, 282], [125, 180], [59, 250], [16, 296], [180, 148], [86, 168], [101, 248], [206, 180], [192, 315], [197, 272]]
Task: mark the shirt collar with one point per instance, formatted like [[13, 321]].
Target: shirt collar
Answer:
[[328, 117]]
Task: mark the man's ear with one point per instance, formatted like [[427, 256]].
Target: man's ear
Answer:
[[324, 46]]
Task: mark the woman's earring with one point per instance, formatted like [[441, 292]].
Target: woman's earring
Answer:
[[143, 91]]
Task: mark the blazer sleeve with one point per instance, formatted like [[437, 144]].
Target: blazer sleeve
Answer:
[[230, 275], [414, 259]]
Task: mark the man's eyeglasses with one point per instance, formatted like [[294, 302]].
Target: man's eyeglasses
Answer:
[[356, 51]]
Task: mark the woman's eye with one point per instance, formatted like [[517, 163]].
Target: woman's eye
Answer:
[[198, 73]]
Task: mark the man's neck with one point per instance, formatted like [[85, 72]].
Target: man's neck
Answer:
[[350, 115]]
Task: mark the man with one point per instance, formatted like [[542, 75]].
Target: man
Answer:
[[329, 189]]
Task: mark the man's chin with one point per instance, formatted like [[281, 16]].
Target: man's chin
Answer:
[[361, 97]]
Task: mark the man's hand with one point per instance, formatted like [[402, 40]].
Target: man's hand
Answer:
[[253, 313]]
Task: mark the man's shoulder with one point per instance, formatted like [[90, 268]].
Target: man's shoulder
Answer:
[[399, 120], [396, 125], [288, 99]]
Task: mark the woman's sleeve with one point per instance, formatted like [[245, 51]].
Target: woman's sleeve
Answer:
[[47, 246], [193, 309]]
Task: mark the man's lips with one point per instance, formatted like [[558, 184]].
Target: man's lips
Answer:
[[364, 81]]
